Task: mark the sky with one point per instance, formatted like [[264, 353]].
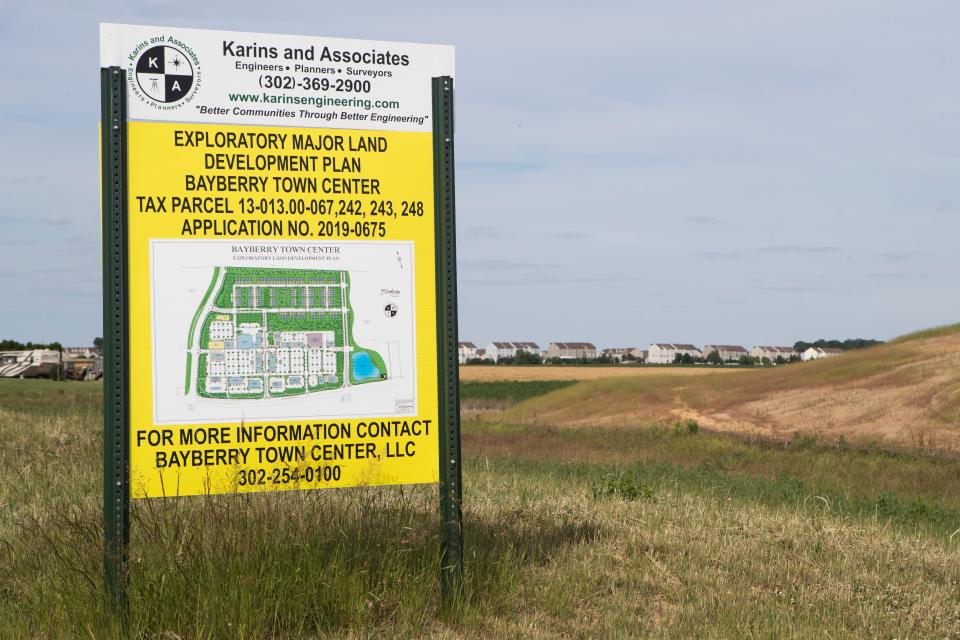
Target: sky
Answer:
[[745, 172]]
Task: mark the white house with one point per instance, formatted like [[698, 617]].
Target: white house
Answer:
[[466, 351], [497, 350], [666, 352], [772, 353], [619, 354], [816, 353], [571, 350], [728, 352]]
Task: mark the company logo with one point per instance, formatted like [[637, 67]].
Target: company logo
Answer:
[[165, 73]]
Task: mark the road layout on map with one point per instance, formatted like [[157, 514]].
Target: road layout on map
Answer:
[[274, 333]]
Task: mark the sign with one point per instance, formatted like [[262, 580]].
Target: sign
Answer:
[[280, 261]]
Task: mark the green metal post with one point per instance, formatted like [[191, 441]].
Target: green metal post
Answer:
[[116, 443], [451, 492]]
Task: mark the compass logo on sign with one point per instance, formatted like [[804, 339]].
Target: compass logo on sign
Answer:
[[165, 75], [390, 310]]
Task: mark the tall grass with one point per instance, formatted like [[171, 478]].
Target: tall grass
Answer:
[[577, 533], [297, 565]]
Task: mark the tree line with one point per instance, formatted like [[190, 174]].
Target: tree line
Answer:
[[846, 345], [16, 345]]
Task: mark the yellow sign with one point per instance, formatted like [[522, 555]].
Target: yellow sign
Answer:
[[282, 308]]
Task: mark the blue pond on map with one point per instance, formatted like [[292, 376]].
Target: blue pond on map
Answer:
[[363, 368]]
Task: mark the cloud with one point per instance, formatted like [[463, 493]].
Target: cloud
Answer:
[[569, 234], [901, 256], [891, 275], [548, 278], [480, 231], [500, 166], [720, 255], [497, 264], [797, 249], [56, 219], [51, 219], [790, 287]]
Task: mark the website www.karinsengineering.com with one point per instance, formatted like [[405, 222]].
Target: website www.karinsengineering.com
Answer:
[[317, 101], [273, 101]]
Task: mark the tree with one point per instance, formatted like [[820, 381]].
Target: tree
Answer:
[[16, 345], [525, 357], [98, 343], [848, 344], [746, 360], [714, 357]]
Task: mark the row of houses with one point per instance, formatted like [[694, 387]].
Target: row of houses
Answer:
[[657, 353], [666, 353], [73, 363], [497, 351]]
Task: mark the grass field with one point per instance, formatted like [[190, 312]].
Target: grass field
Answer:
[[576, 530], [493, 373], [499, 394], [904, 394]]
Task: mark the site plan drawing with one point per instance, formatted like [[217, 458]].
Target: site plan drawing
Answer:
[[276, 333], [282, 329]]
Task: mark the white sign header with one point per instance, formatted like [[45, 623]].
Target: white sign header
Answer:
[[231, 77]]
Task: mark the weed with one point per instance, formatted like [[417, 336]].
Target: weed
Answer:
[[623, 486], [803, 441], [510, 390]]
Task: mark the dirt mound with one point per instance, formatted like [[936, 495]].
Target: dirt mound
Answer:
[[904, 393]]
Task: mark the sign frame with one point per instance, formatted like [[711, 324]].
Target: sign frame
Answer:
[[116, 403]]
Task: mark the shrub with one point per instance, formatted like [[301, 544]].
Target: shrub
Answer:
[[685, 427], [801, 441], [622, 486]]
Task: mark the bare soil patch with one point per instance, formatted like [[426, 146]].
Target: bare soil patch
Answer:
[[903, 394]]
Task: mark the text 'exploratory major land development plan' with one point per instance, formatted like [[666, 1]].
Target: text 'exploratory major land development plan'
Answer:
[[281, 260]]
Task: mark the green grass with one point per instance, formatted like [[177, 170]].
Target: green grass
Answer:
[[200, 307], [510, 390], [252, 317], [665, 531], [307, 321], [934, 332], [914, 490], [375, 357]]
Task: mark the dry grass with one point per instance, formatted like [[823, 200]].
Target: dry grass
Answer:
[[722, 539], [903, 394], [490, 373]]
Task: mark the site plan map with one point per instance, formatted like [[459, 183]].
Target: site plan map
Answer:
[[277, 333], [282, 329]]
